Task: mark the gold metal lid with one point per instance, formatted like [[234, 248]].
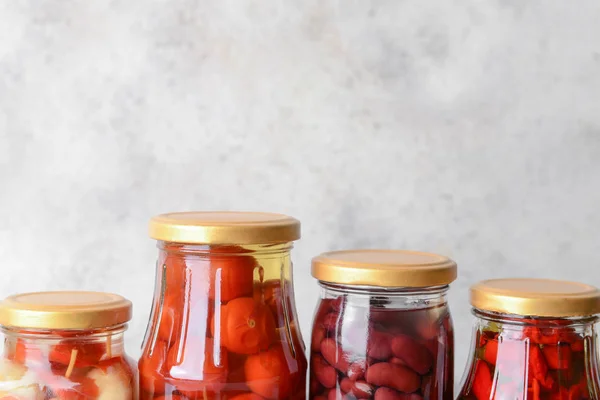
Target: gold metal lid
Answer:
[[64, 310], [536, 297], [224, 227], [384, 268]]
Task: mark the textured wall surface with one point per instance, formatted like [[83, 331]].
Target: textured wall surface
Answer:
[[461, 127]]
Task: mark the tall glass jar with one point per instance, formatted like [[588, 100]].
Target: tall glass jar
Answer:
[[66, 345], [533, 339], [382, 329], [223, 322]]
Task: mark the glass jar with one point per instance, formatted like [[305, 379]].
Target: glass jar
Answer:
[[382, 328], [66, 345], [223, 322], [533, 339]]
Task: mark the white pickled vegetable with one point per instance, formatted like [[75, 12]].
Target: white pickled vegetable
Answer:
[[31, 392], [112, 383], [17, 381], [10, 371]]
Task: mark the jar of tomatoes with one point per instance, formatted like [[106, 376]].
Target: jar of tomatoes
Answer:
[[382, 328], [533, 339], [223, 323], [66, 345]]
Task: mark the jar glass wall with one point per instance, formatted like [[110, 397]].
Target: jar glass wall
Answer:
[[375, 339]]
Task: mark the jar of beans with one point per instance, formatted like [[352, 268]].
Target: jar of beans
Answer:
[[382, 328], [223, 323], [66, 345], [533, 339]]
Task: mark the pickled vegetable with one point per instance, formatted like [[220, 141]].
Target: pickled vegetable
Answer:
[[529, 359], [375, 351], [224, 329], [64, 368]]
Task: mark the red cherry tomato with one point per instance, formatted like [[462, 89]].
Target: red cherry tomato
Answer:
[[246, 326]]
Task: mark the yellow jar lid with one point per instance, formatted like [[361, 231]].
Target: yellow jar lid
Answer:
[[64, 310], [536, 297], [224, 227], [384, 268]]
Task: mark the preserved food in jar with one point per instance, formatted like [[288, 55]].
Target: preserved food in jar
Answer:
[[382, 328], [533, 339], [223, 323], [66, 345]]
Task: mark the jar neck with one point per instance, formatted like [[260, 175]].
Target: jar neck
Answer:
[[270, 261], [112, 338], [398, 297], [273, 250], [513, 322]]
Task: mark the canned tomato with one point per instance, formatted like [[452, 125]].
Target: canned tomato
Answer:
[[223, 323]]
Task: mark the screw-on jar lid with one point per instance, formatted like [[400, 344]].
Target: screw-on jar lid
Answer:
[[64, 310], [384, 268], [536, 297], [224, 227]]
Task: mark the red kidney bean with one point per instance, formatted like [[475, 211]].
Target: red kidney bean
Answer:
[[362, 390], [334, 356], [384, 393], [415, 355], [335, 394], [356, 370], [315, 387], [379, 345], [337, 303], [394, 376], [324, 372], [330, 321], [318, 335], [397, 361], [346, 385]]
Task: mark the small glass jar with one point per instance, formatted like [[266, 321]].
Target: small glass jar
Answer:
[[382, 328], [223, 323], [533, 339], [66, 345]]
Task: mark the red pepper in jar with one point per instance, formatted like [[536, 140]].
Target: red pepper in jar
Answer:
[[534, 357]]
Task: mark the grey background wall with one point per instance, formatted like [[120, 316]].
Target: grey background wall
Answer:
[[461, 127]]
